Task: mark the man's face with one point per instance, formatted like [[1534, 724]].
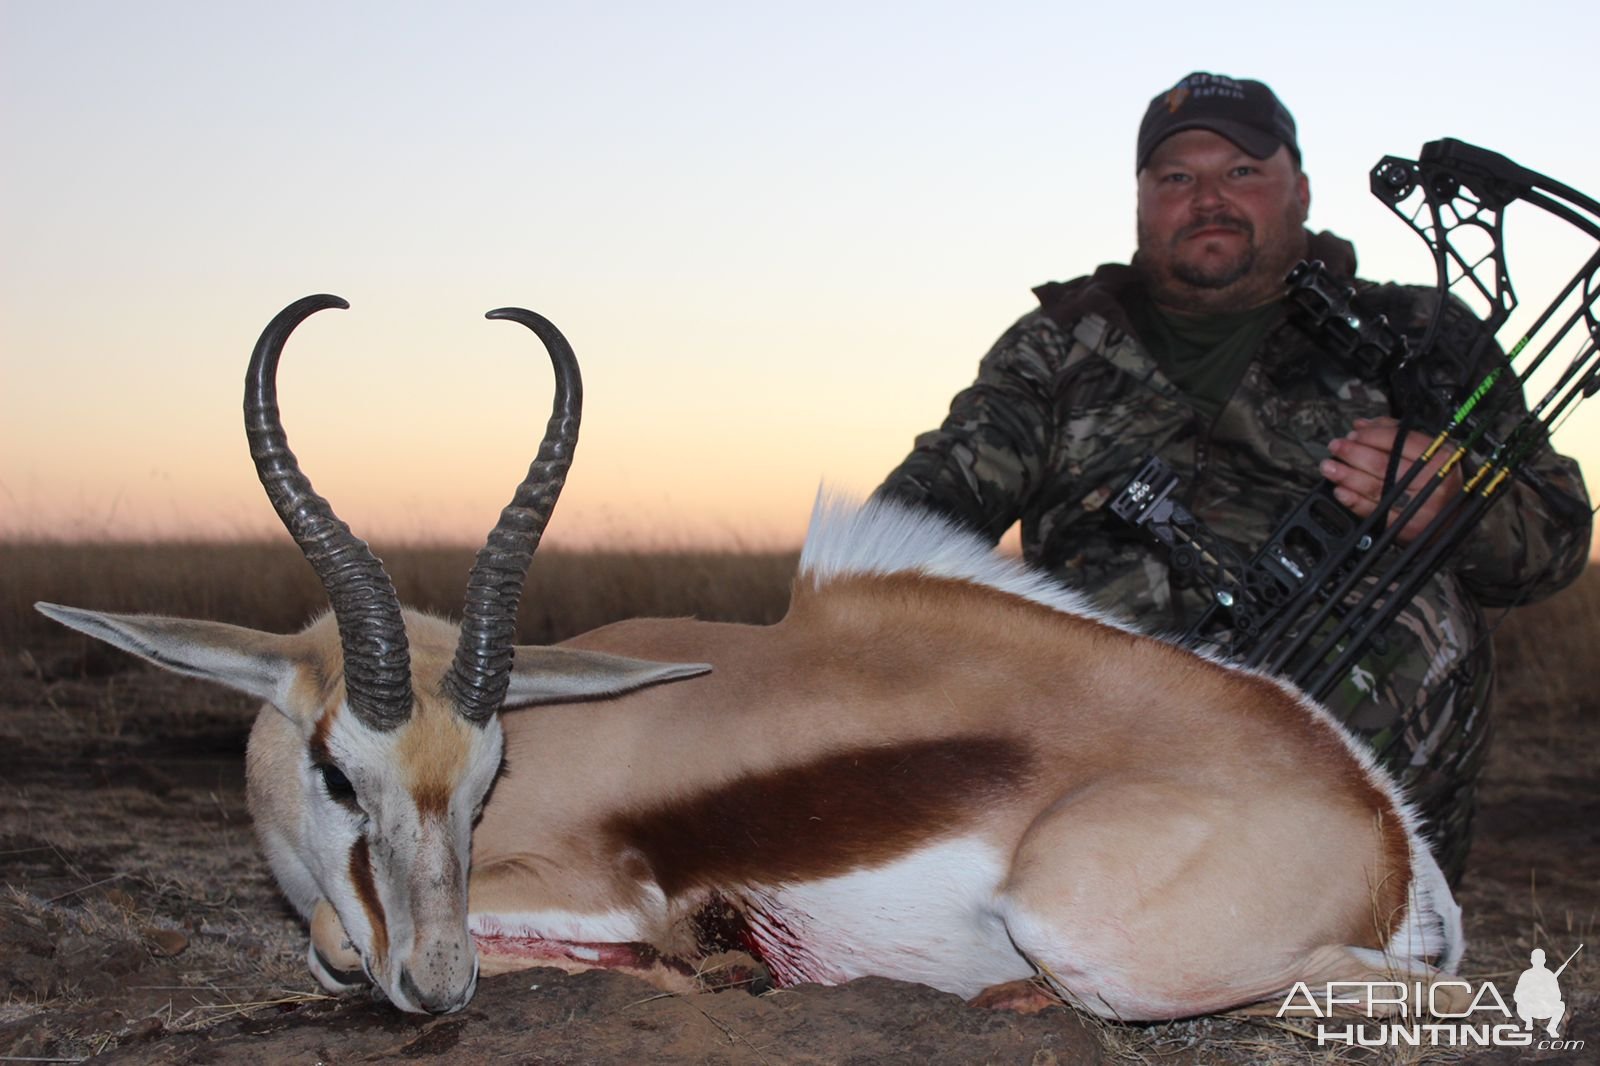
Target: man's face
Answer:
[[1218, 228]]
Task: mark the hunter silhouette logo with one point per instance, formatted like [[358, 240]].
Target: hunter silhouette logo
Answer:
[[1537, 994], [1448, 1011]]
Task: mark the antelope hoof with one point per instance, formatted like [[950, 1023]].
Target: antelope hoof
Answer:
[[1027, 996]]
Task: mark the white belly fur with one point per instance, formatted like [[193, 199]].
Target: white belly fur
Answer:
[[930, 917]]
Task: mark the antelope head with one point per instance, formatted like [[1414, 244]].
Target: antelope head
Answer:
[[380, 741]]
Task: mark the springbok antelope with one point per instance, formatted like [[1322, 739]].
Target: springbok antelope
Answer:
[[938, 767]]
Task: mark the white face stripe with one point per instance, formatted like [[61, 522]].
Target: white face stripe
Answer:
[[395, 831]]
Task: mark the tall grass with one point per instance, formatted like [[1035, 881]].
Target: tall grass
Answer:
[[269, 586], [1545, 653]]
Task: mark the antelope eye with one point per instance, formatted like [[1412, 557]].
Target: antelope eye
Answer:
[[340, 790]]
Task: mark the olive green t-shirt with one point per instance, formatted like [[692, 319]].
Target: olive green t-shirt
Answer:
[[1203, 355]]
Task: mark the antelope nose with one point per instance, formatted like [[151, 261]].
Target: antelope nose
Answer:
[[437, 1002]]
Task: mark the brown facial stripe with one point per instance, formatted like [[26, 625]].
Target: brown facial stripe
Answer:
[[318, 744], [839, 813], [367, 893]]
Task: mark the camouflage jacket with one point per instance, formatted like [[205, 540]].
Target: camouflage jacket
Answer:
[[1068, 403]]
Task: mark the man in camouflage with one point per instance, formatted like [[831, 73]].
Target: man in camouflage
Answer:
[[1188, 354]]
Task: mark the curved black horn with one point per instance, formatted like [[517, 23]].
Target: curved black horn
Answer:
[[481, 672], [377, 660]]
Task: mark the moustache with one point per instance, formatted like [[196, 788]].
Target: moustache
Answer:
[[1233, 222]]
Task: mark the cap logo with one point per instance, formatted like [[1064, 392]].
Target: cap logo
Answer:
[[1247, 113]]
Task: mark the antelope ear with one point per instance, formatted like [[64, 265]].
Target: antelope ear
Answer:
[[259, 664], [558, 675]]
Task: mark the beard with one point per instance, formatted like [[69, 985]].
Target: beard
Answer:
[[1213, 284], [1216, 274]]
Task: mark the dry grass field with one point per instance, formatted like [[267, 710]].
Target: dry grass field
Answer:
[[138, 924]]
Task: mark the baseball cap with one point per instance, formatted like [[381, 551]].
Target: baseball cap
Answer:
[[1246, 112]]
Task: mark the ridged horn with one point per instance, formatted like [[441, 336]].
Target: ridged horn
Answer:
[[479, 676], [377, 659]]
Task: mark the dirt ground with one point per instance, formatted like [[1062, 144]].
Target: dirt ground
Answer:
[[138, 924]]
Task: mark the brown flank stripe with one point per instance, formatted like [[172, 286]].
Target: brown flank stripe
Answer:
[[367, 892], [841, 812]]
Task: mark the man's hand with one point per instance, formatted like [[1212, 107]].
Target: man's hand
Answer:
[[1361, 458]]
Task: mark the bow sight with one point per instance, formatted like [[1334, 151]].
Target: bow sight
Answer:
[[1317, 596]]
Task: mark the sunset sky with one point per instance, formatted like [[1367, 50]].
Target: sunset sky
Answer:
[[778, 236]]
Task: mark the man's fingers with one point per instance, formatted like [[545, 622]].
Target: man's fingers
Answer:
[[1358, 463], [1369, 452], [1356, 503], [1361, 455], [1353, 479], [1381, 439]]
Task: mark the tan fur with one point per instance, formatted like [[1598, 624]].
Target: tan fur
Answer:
[[433, 747], [1284, 845], [432, 754], [1174, 836]]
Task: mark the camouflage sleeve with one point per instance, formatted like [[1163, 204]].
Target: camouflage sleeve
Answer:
[[991, 451], [1534, 541]]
